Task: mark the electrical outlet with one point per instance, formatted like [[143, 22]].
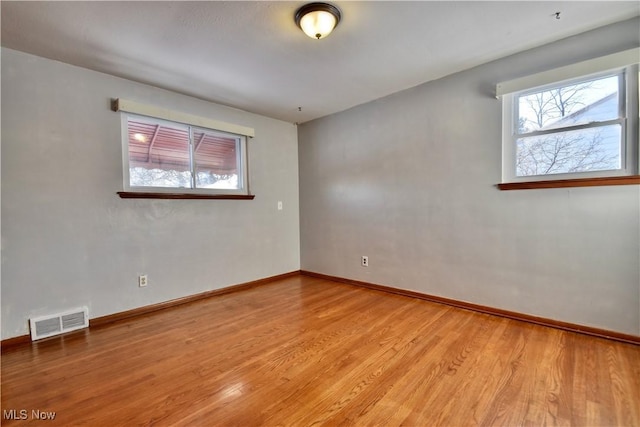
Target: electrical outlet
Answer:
[[142, 280], [365, 261]]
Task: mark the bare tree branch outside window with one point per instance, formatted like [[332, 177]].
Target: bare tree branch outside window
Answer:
[[171, 178]]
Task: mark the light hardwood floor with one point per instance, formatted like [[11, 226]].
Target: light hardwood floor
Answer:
[[306, 351]]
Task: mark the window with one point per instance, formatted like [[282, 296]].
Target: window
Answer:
[[581, 127], [570, 128], [164, 156]]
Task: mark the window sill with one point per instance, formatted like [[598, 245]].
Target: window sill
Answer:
[[139, 195], [562, 183]]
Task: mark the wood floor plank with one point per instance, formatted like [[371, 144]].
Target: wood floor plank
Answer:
[[308, 351]]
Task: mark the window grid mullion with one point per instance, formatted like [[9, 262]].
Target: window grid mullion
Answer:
[[570, 128], [192, 159]]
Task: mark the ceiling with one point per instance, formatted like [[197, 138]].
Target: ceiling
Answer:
[[252, 56]]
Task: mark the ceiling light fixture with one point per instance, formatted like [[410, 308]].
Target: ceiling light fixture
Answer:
[[317, 20]]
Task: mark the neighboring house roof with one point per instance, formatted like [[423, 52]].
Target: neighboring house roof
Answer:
[[596, 111]]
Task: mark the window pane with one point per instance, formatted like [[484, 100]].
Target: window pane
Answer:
[[216, 160], [586, 102], [584, 150], [158, 155]]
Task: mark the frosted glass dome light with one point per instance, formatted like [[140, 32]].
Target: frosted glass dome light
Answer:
[[317, 20]]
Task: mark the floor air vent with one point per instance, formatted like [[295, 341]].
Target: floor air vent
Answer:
[[56, 324]]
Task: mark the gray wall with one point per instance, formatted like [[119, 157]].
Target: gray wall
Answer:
[[409, 180], [68, 240]]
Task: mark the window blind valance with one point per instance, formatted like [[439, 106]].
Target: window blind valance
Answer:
[[584, 68], [177, 116]]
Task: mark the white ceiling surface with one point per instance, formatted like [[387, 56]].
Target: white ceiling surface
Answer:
[[251, 55]]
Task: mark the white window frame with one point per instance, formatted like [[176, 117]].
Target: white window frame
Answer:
[[152, 114], [588, 70], [241, 159]]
